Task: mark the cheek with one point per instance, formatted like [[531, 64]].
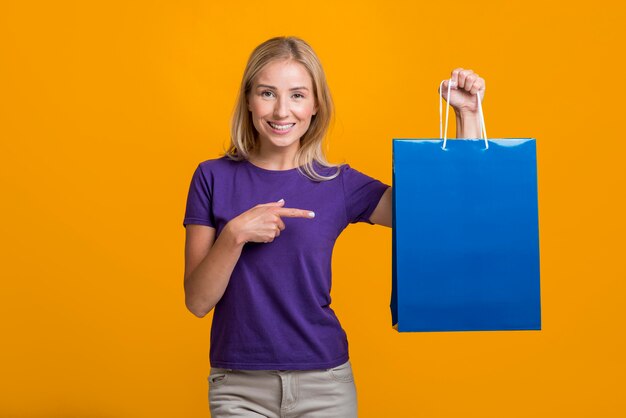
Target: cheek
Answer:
[[305, 113], [258, 109]]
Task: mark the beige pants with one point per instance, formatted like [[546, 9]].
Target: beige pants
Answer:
[[283, 393]]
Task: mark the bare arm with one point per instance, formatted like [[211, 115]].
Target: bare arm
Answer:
[[209, 264], [382, 215]]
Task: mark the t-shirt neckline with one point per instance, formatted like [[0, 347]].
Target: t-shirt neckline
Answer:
[[265, 170]]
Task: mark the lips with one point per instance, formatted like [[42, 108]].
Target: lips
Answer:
[[280, 126]]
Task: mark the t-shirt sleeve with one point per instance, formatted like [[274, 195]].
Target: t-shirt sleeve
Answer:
[[198, 210], [362, 194]]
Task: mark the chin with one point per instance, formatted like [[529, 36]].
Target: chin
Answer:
[[282, 142], [279, 144]]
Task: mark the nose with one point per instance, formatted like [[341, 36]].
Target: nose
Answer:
[[281, 108]]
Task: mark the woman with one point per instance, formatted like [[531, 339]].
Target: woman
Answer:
[[261, 222]]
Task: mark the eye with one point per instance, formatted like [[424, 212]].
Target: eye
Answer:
[[298, 94], [266, 91]]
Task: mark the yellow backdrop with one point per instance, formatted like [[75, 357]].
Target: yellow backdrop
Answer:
[[106, 108]]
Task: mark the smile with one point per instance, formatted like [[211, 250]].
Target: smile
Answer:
[[278, 127]]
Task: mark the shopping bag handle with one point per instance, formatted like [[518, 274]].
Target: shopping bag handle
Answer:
[[480, 113]]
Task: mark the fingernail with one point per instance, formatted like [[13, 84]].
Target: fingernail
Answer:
[[281, 200], [312, 214]]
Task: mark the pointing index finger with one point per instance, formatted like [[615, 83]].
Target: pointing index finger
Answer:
[[295, 213]]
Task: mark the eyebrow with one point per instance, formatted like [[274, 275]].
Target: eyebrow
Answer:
[[272, 87]]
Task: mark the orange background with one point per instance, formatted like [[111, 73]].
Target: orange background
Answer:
[[106, 108]]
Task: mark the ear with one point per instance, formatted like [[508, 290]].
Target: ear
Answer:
[[315, 109]]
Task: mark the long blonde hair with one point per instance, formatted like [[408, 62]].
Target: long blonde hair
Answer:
[[243, 137]]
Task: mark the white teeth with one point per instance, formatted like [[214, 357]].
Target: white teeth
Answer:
[[281, 127]]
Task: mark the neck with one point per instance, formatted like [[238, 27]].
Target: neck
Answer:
[[274, 158]]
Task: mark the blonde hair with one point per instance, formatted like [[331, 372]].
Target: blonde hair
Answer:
[[243, 137]]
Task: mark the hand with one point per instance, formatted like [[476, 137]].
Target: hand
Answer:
[[463, 92], [263, 222]]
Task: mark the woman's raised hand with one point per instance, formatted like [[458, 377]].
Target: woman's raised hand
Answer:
[[263, 222], [465, 84]]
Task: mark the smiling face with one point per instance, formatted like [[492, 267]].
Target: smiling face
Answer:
[[282, 102]]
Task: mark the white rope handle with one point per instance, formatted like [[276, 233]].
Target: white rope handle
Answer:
[[481, 122]]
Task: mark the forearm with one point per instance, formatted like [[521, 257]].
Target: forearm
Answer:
[[467, 125], [205, 286]]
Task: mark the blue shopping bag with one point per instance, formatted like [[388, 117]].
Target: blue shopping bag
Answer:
[[465, 235]]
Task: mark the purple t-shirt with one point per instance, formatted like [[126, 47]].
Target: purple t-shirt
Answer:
[[275, 313]]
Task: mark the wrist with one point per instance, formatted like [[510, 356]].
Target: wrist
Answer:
[[467, 125], [465, 114], [235, 236]]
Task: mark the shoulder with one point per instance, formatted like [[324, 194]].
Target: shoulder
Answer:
[[354, 178], [324, 170], [348, 172], [217, 165]]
